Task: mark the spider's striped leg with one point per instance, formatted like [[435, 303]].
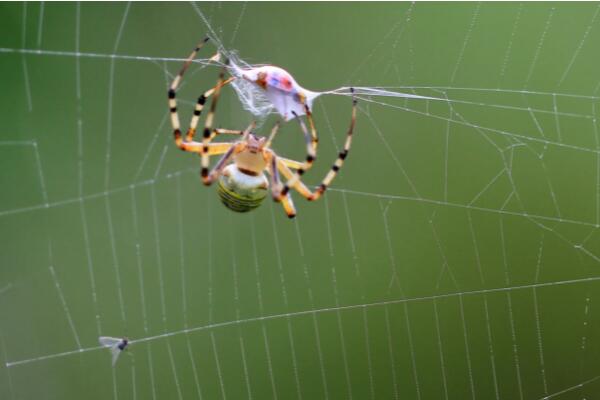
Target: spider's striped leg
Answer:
[[213, 148], [222, 163], [275, 178], [295, 180], [198, 146], [286, 201], [310, 148], [200, 106], [220, 131], [290, 163], [208, 125], [341, 156], [313, 130], [288, 206], [171, 94], [273, 134], [282, 165]]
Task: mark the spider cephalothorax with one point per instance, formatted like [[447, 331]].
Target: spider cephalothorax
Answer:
[[242, 183]]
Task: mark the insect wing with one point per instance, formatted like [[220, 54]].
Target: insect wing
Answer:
[[115, 351], [107, 341], [113, 344]]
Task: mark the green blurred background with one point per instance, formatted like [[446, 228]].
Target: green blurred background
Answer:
[[455, 257]]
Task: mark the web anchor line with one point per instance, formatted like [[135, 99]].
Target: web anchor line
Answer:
[[309, 312], [80, 54]]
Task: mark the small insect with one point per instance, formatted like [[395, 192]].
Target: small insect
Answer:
[[115, 345], [281, 89], [242, 184]]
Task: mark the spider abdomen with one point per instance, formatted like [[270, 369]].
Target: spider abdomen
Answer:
[[241, 192]]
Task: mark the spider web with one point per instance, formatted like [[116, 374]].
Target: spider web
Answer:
[[455, 256]]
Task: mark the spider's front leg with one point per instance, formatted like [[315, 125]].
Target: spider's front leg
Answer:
[[179, 140], [172, 90]]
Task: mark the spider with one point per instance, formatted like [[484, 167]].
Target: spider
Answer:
[[242, 184]]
